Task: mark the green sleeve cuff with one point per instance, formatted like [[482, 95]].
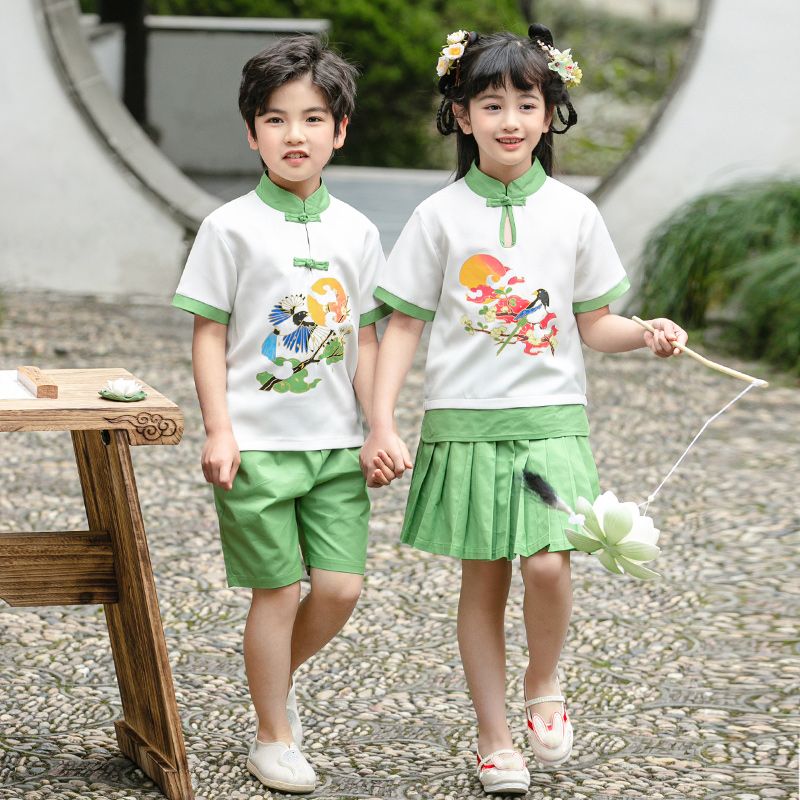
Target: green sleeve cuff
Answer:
[[401, 305], [373, 316], [603, 300], [201, 309]]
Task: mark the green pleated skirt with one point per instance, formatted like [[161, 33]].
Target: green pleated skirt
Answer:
[[467, 498]]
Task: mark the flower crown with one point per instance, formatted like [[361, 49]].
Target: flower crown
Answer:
[[560, 61], [451, 52]]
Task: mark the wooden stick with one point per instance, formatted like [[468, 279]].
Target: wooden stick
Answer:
[[703, 360], [37, 383]]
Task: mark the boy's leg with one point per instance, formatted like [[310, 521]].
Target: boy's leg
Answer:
[[481, 640], [332, 520], [323, 612], [267, 657], [547, 609]]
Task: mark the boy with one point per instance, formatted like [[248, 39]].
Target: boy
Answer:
[[280, 282]]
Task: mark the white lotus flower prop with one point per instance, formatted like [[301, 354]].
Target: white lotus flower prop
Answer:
[[620, 537], [617, 533], [123, 390]]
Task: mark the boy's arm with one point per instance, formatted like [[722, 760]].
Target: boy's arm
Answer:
[[364, 380], [384, 455], [611, 333], [220, 459]]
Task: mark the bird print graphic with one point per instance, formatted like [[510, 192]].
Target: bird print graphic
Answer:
[[303, 331], [505, 316]]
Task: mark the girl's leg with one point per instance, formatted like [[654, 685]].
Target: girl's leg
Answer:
[[267, 657], [547, 609], [323, 612], [481, 640]]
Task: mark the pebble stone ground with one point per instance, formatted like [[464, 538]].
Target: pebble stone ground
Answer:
[[685, 688]]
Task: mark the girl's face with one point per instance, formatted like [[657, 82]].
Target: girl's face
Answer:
[[507, 124], [295, 136]]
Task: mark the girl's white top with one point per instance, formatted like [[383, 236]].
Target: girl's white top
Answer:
[[293, 281], [503, 306]]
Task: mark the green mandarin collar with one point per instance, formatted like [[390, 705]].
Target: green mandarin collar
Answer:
[[498, 195], [492, 189], [295, 209]]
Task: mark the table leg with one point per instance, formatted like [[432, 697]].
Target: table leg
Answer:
[[150, 733]]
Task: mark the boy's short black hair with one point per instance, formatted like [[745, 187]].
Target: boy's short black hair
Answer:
[[292, 57]]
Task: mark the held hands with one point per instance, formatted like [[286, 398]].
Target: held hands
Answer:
[[220, 459], [383, 458], [666, 332]]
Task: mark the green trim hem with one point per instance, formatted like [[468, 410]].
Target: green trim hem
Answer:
[[330, 565], [259, 582], [403, 306], [201, 309], [439, 549], [371, 317], [603, 300]]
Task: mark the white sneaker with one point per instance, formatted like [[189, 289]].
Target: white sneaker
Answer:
[[503, 772], [551, 742], [282, 767], [294, 716]]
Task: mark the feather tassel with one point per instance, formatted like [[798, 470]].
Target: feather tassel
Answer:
[[544, 491]]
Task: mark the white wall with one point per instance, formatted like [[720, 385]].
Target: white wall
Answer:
[[71, 218], [736, 117]]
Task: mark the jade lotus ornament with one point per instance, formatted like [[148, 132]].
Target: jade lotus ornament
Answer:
[[123, 390], [617, 533]]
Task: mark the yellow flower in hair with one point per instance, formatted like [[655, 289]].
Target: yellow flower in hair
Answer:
[[456, 36], [443, 66], [453, 51]]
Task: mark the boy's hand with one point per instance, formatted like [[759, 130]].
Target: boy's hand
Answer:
[[667, 332], [383, 458], [220, 459]]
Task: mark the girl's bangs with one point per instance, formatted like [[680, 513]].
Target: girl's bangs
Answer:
[[515, 62]]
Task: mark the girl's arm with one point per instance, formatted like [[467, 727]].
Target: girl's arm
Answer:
[[384, 455], [364, 379], [220, 459], [611, 333]]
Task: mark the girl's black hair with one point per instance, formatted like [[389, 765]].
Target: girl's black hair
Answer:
[[490, 61]]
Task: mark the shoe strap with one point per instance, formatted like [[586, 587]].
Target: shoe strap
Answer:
[[485, 760], [547, 698]]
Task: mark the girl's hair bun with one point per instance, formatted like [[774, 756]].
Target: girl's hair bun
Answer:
[[539, 32]]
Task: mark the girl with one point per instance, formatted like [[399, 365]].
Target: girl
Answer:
[[515, 270]]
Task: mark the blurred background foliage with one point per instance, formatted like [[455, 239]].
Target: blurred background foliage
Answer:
[[628, 65], [731, 260]]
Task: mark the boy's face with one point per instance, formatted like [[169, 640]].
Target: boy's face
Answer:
[[295, 136]]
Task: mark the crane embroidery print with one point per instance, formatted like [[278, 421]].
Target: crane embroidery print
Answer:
[[508, 318], [305, 330]]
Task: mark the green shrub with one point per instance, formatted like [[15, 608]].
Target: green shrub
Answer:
[[737, 252]]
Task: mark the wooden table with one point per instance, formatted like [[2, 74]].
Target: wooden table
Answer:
[[109, 563]]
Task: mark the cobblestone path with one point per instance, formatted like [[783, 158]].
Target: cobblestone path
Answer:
[[684, 688]]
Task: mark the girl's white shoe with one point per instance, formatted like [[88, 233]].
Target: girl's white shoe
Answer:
[[503, 772], [281, 766], [551, 742]]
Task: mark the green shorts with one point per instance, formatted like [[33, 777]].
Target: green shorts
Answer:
[[287, 508]]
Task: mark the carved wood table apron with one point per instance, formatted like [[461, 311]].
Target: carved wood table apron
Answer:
[[109, 563]]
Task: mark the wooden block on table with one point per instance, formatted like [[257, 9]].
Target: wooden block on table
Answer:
[[37, 383]]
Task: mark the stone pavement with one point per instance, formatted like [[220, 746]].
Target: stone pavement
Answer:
[[684, 688]]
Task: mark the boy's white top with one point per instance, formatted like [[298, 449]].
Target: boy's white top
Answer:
[[503, 306], [293, 281]]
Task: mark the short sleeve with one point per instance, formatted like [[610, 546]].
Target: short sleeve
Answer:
[[208, 284], [411, 282], [599, 275], [370, 308]]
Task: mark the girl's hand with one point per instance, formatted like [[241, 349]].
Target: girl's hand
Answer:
[[220, 459], [383, 458], [667, 332]]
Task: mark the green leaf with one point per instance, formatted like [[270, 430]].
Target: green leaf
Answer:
[[638, 551], [607, 560], [637, 570], [583, 506], [584, 543]]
